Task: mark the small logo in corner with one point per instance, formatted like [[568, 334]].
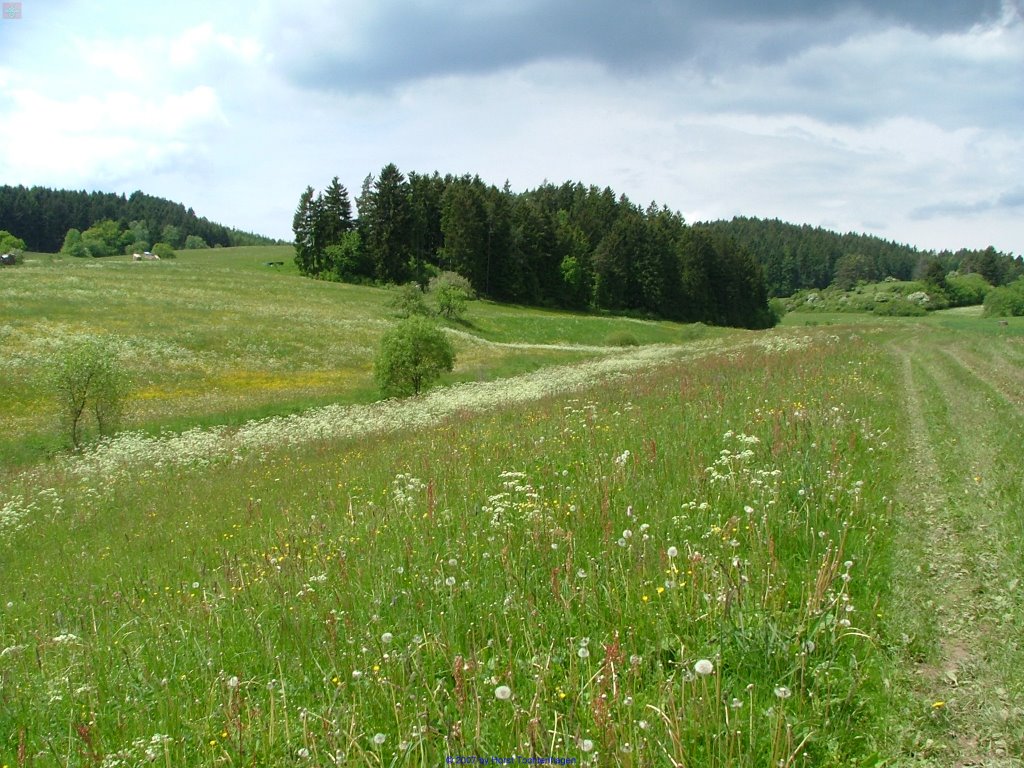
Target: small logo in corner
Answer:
[[12, 11]]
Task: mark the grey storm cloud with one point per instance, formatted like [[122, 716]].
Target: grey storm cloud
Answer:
[[345, 47]]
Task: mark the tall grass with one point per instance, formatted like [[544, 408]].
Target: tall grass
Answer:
[[679, 568]]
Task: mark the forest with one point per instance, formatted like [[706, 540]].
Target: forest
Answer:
[[795, 257], [570, 246], [41, 217]]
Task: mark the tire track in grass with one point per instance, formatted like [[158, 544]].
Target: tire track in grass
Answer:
[[966, 709], [1000, 376]]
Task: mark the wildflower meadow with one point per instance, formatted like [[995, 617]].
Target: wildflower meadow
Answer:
[[743, 549]]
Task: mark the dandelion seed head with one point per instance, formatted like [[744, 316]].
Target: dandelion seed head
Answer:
[[386, 638], [673, 552], [704, 667], [379, 738], [503, 693], [783, 692]]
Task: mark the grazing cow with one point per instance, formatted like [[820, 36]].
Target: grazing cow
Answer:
[[8, 260], [1004, 322], [136, 257]]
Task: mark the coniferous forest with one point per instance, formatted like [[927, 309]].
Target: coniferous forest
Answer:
[[42, 217], [568, 246], [795, 257]]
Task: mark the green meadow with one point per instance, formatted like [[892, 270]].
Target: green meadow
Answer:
[[797, 547]]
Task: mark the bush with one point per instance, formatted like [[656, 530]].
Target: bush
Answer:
[[777, 309], [967, 290], [164, 251], [1007, 301], [409, 301], [194, 242], [454, 280], [88, 380], [10, 244], [621, 339], [899, 307], [412, 356]]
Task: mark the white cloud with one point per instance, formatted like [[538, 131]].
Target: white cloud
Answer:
[[102, 137]]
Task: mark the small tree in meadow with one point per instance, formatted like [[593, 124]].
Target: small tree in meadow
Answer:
[[452, 292], [409, 302], [89, 381], [412, 356]]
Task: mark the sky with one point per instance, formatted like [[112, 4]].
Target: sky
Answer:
[[900, 119]]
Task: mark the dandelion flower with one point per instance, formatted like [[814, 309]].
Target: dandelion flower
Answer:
[[450, 581], [379, 738], [586, 745], [583, 652], [673, 552], [704, 667], [503, 693], [783, 692], [386, 638]]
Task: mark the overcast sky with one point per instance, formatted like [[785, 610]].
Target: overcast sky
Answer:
[[902, 119]]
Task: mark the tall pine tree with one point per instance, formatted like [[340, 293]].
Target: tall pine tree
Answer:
[[304, 225]]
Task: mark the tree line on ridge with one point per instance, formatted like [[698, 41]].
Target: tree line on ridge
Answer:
[[569, 246]]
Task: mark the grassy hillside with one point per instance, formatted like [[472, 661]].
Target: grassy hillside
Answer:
[[217, 336], [798, 547]]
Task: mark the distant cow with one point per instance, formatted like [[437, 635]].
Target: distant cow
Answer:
[[8, 260], [147, 256]]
